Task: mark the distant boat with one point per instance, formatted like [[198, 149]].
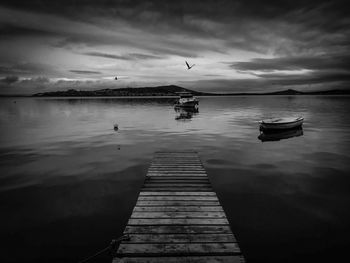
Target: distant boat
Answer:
[[186, 99], [281, 123], [116, 78]]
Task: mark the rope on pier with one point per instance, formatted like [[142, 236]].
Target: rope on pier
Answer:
[[112, 246]]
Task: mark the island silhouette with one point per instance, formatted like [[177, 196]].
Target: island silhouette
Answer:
[[172, 90]]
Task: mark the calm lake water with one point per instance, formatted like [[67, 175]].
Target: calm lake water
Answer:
[[69, 182]]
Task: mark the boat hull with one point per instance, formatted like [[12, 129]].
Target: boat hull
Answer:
[[190, 104], [281, 125]]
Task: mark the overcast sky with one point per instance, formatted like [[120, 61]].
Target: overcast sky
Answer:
[[236, 45]]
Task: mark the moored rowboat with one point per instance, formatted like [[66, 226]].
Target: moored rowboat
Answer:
[[281, 123]]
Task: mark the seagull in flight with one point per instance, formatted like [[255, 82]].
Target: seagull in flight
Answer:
[[188, 66]]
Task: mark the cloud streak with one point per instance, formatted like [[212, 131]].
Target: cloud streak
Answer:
[[85, 72], [132, 56]]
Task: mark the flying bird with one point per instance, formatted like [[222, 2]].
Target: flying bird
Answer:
[[188, 66]]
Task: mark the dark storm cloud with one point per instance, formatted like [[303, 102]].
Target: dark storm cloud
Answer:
[[322, 62], [132, 56], [27, 68], [15, 31], [239, 23], [85, 72], [9, 79], [294, 26], [214, 9]]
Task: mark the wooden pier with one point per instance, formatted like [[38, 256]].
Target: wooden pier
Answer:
[[178, 217]]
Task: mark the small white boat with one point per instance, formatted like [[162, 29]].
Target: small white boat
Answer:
[[281, 123], [186, 99]]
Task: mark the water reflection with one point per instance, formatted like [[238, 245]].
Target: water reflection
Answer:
[[274, 135], [185, 113]]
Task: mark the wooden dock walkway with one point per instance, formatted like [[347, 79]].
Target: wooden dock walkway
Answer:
[[178, 217]]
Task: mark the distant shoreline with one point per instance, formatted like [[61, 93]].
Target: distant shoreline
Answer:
[[166, 92]]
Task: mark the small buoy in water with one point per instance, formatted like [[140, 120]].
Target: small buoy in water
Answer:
[[116, 127]]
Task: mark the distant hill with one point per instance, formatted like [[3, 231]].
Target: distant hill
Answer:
[[171, 90], [295, 92]]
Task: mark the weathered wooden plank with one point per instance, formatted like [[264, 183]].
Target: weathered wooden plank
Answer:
[[178, 209], [169, 170], [177, 181], [178, 198], [178, 249], [168, 189], [178, 229], [185, 183], [166, 170], [176, 165], [177, 152], [176, 189], [176, 157], [177, 221], [177, 174], [175, 185], [165, 176], [199, 166], [178, 214], [152, 174], [175, 169], [176, 178], [187, 259], [194, 153], [178, 193], [184, 172], [160, 156], [176, 203], [177, 162], [181, 238]]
